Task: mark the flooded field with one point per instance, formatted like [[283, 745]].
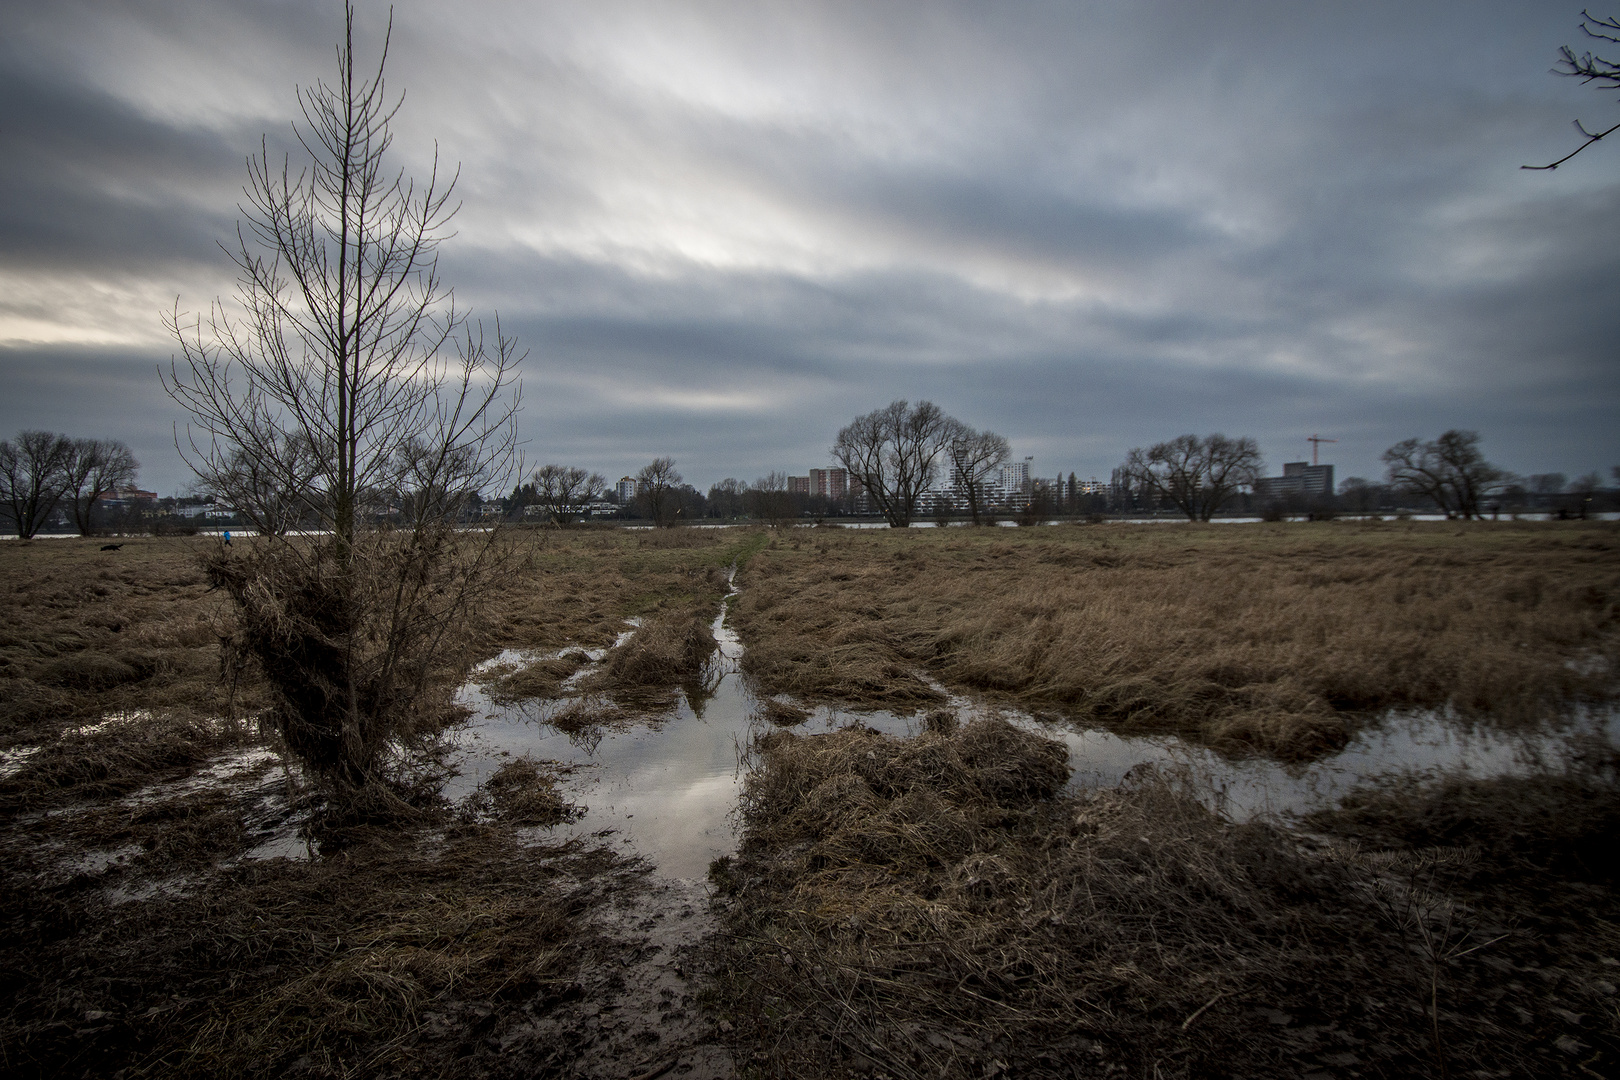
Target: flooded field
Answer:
[[923, 802], [665, 786]]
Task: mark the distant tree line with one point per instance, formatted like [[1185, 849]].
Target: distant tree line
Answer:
[[42, 472]]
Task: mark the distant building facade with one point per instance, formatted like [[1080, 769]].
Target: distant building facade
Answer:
[[830, 483], [1299, 478], [625, 490]]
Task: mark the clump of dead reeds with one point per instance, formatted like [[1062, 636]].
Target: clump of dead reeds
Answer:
[[125, 754], [668, 649], [924, 906], [1544, 831], [523, 793], [782, 712], [539, 679]]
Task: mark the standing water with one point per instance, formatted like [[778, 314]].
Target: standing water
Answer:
[[666, 785], [662, 787]]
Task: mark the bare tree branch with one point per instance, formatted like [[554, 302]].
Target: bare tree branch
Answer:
[[1589, 68]]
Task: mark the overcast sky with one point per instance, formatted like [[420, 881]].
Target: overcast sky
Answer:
[[722, 230]]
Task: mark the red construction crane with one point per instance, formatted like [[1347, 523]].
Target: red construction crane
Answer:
[[1313, 440]]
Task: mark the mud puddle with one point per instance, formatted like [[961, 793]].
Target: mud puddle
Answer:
[[661, 786]]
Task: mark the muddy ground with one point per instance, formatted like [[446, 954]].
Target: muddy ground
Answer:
[[166, 914], [933, 906]]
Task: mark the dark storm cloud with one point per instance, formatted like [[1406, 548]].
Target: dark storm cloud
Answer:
[[84, 177], [723, 230]]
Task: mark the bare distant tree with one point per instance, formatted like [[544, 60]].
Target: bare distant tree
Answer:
[[1589, 69], [1551, 483], [94, 467], [1583, 488], [272, 484], [1450, 471], [1359, 494], [769, 499], [656, 494], [1196, 475], [346, 390], [33, 478], [565, 490], [892, 453], [973, 457], [728, 498]]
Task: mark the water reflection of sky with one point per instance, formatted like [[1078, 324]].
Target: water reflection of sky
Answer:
[[666, 787]]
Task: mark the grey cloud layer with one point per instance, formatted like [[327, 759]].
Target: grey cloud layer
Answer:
[[724, 229]]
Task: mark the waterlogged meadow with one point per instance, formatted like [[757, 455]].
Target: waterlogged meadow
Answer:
[[1271, 800]]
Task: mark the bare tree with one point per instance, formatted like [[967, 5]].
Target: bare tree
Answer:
[[94, 467], [1551, 483], [1449, 471], [892, 452], [564, 491], [1360, 494], [656, 492], [1583, 488], [973, 457], [728, 498], [1196, 475], [346, 392], [1589, 68], [33, 478], [339, 356], [769, 499]]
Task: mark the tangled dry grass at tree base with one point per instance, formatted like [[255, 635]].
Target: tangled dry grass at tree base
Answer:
[[927, 907], [1275, 639]]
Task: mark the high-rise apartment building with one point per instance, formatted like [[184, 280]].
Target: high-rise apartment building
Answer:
[[1015, 477], [832, 483]]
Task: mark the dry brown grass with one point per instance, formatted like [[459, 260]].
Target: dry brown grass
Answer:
[[391, 960], [1268, 637], [525, 793], [137, 632], [577, 587], [88, 632], [670, 649], [920, 908], [539, 679]]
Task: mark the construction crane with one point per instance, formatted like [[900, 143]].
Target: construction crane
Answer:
[[1313, 440]]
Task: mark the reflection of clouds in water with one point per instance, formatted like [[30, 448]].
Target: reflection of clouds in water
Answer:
[[666, 782], [1421, 744]]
